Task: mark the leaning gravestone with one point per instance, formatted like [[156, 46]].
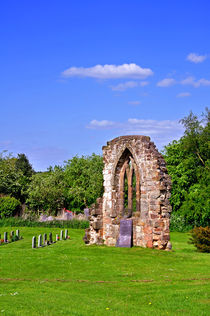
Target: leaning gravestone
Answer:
[[34, 242], [126, 233]]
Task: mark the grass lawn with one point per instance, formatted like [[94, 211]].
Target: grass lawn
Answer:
[[70, 278]]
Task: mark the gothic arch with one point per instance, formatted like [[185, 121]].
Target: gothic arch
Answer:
[[126, 167]]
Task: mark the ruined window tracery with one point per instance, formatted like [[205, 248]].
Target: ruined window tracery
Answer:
[[127, 185]]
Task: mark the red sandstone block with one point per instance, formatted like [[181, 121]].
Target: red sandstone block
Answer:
[[149, 244]]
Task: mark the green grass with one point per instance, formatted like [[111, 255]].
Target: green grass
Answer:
[[70, 278]]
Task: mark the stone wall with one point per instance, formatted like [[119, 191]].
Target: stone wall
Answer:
[[124, 157]]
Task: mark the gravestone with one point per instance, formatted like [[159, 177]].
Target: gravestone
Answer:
[[57, 237], [40, 241], [68, 216], [126, 233], [66, 234], [43, 218], [5, 236], [50, 238], [18, 233], [12, 233], [33, 242], [61, 235], [86, 212], [44, 239]]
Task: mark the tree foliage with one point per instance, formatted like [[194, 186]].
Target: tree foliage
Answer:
[[46, 192], [15, 175], [188, 163], [84, 180]]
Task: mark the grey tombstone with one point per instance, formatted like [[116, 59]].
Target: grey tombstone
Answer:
[[40, 241], [43, 218], [5, 236], [68, 216], [61, 235], [18, 233], [33, 242], [126, 233], [56, 237], [86, 212], [44, 239], [66, 234], [50, 238]]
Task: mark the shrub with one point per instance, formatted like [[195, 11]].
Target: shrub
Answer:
[[178, 223], [19, 222], [200, 238], [8, 206]]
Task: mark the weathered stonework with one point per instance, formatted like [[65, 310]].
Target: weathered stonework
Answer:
[[124, 157]]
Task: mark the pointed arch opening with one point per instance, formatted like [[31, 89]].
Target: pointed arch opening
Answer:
[[127, 185]]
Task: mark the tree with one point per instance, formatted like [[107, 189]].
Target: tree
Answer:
[[9, 176], [22, 163], [188, 163], [84, 179], [46, 192]]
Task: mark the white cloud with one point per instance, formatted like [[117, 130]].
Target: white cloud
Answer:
[[134, 102], [128, 84], [191, 81], [95, 124], [195, 58], [124, 86], [167, 82], [183, 94], [162, 132], [109, 71]]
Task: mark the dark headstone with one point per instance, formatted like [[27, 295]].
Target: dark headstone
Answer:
[[50, 238], [126, 233], [34, 242]]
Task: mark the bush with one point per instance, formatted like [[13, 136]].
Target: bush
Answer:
[[178, 223], [19, 222], [200, 238], [8, 206]]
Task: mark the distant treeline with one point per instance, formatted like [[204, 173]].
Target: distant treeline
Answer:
[[79, 181], [74, 186]]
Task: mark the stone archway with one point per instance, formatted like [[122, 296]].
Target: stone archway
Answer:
[[126, 157], [125, 173]]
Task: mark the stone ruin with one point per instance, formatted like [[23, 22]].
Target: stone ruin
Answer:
[[137, 189]]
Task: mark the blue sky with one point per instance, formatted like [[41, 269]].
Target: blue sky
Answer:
[[75, 74]]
